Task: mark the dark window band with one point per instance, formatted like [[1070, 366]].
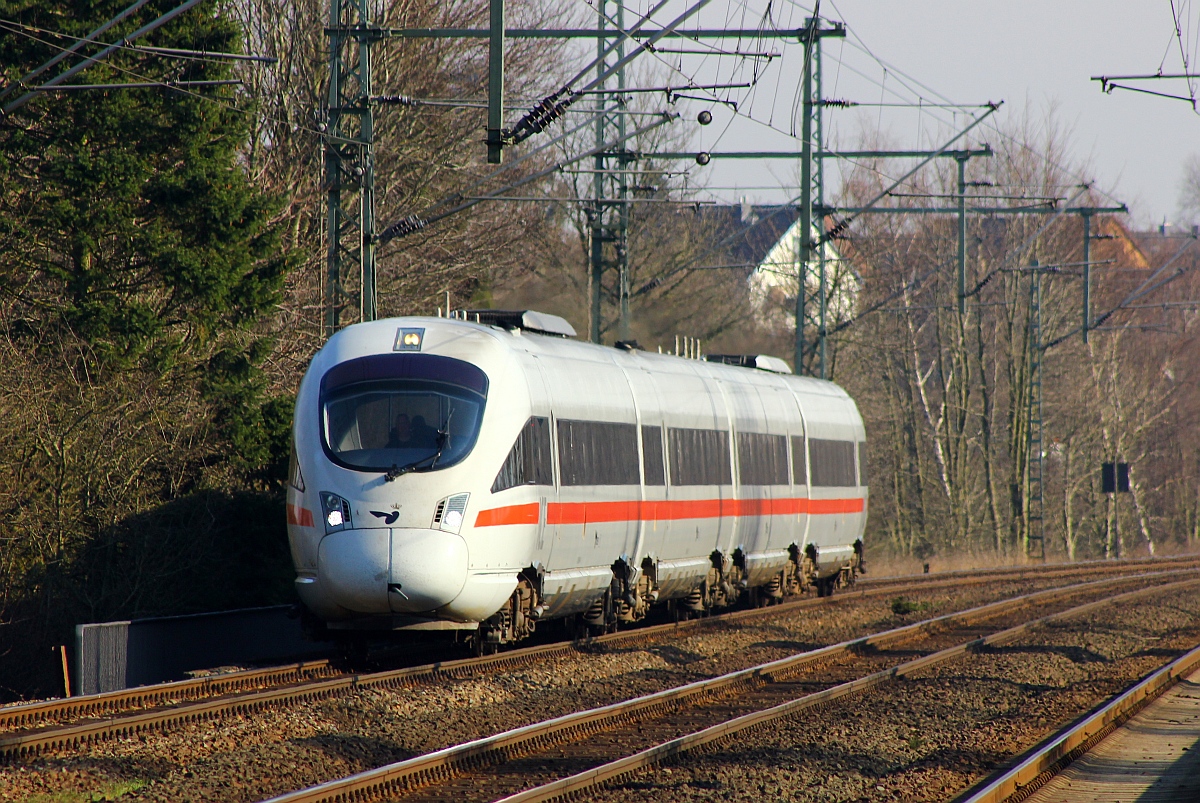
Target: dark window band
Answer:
[[652, 456], [832, 463], [699, 457], [528, 462], [597, 453], [762, 459]]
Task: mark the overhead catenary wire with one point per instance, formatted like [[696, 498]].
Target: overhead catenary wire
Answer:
[[826, 236], [88, 61], [69, 51], [551, 107], [416, 222], [1145, 288]]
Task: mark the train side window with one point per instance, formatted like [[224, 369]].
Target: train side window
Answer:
[[762, 459], [799, 473], [652, 456], [832, 463], [597, 453], [528, 462], [862, 462], [699, 457]]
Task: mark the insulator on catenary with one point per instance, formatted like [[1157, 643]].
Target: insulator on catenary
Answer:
[[406, 226], [545, 112], [402, 100]]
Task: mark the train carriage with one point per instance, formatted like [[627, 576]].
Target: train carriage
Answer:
[[489, 472]]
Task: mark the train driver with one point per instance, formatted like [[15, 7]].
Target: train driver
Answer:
[[401, 435]]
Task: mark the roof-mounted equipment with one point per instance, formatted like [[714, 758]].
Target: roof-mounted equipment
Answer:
[[542, 323], [763, 362]]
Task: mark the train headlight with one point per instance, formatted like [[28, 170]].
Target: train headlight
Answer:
[[337, 512], [450, 512]]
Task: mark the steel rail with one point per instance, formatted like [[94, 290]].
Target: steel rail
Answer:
[[1056, 753], [29, 715], [397, 778], [112, 705], [672, 749]]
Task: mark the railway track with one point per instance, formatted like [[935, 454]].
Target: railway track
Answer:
[[31, 728], [571, 754], [1051, 757], [243, 693]]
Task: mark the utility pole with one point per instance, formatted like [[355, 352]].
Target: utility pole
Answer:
[[819, 169], [1087, 272], [962, 232], [495, 126], [349, 161], [1035, 524], [609, 218], [806, 195], [810, 126], [349, 156]]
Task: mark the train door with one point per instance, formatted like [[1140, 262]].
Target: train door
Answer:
[[783, 421], [540, 403], [799, 520], [698, 468], [834, 497], [595, 433], [652, 526]]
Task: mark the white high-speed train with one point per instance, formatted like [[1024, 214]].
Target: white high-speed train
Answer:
[[487, 472]]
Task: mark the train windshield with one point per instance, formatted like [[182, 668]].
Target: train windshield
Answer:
[[423, 420]]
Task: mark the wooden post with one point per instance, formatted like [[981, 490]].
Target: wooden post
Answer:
[[66, 671]]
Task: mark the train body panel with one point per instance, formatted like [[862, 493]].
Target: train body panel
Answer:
[[564, 467]]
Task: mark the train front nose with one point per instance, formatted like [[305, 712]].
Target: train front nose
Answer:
[[397, 570]]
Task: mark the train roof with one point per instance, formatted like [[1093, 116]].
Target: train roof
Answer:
[[547, 334]]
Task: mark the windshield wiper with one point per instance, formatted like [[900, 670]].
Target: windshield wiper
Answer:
[[399, 471]]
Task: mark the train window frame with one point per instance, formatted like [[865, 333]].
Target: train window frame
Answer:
[[833, 463], [446, 377], [526, 444], [608, 453], [799, 459], [862, 463], [653, 437], [686, 450], [754, 450]]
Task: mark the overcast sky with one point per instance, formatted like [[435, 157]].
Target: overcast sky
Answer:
[[1034, 55]]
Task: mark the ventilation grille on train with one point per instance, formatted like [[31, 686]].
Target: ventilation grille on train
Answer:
[[450, 512]]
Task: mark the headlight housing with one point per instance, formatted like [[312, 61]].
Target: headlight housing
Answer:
[[450, 513], [336, 512]]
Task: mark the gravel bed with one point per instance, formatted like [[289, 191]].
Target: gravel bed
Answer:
[[932, 736], [251, 758]]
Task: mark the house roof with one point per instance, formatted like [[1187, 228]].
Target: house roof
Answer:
[[752, 230]]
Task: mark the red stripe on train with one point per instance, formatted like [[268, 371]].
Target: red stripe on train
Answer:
[[300, 516], [513, 514], [663, 510]]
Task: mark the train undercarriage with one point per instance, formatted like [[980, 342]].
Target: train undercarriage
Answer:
[[634, 591]]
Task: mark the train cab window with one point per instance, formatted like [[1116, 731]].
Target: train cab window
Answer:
[[528, 462], [699, 457], [597, 453], [652, 456], [762, 459], [862, 462], [799, 474], [414, 411], [832, 463]]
